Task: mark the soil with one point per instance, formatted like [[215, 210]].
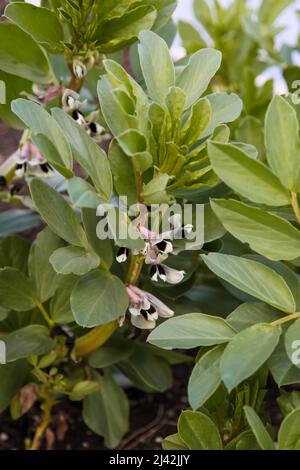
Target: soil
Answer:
[[152, 417]]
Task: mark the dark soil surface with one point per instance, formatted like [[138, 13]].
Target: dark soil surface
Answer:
[[152, 417]]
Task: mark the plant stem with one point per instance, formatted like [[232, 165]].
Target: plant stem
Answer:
[[45, 314], [287, 318], [135, 268], [94, 339], [295, 206], [39, 433]]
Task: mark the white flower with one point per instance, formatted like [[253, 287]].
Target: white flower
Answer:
[[30, 162], [145, 308], [79, 69], [166, 274]]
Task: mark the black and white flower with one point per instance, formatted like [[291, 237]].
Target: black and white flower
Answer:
[[30, 162], [145, 308]]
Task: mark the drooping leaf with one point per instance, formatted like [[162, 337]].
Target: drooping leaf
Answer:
[[267, 234], [248, 177], [16, 290], [74, 260], [98, 298], [248, 351], [254, 278], [198, 431], [57, 213], [191, 330]]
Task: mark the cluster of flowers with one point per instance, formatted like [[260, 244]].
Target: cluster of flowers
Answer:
[[144, 307]]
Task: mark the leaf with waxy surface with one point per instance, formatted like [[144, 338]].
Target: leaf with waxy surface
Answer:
[[74, 260], [157, 65], [20, 55], [57, 213], [198, 431], [267, 234], [12, 377], [28, 341], [98, 298], [225, 107], [41, 23], [258, 429], [247, 352], [41, 272], [16, 290], [88, 154], [195, 77], [205, 377], [191, 330], [106, 412], [46, 130], [254, 278], [82, 193], [289, 432], [248, 177], [282, 142]]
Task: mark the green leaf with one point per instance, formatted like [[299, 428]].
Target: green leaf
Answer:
[[60, 307], [191, 330], [154, 192], [41, 23], [102, 247], [258, 429], [82, 193], [57, 213], [282, 142], [190, 37], [203, 13], [195, 77], [118, 32], [74, 260], [123, 172], [289, 432], [198, 431], [134, 145], [250, 313], [146, 370], [116, 349], [48, 134], [225, 107], [196, 123], [157, 65], [267, 234], [271, 9], [106, 412], [28, 341], [173, 442], [14, 252], [14, 86], [292, 343], [205, 377], [248, 177], [20, 55], [88, 154], [16, 291], [247, 352], [12, 377], [282, 369], [83, 389], [17, 221], [253, 278], [41, 273], [98, 298]]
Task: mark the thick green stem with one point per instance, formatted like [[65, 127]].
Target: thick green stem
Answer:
[[287, 318], [45, 314]]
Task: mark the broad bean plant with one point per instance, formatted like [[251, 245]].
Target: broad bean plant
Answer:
[[103, 276]]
